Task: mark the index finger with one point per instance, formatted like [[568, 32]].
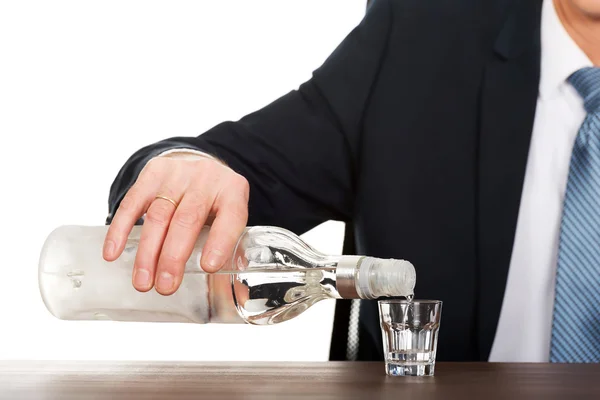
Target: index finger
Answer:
[[132, 207], [225, 232]]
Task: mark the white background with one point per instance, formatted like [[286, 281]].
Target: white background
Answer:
[[84, 84]]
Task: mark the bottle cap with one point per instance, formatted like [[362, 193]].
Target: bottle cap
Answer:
[[359, 277], [385, 278]]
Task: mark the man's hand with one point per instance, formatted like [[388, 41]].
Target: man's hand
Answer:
[[201, 187]]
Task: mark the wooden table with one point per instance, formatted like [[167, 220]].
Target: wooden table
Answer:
[[327, 380]]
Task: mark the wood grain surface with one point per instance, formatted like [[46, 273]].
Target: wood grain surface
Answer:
[[327, 380]]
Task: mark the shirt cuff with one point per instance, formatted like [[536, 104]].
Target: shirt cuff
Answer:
[[189, 154]]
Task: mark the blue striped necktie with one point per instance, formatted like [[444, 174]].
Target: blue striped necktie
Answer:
[[576, 320]]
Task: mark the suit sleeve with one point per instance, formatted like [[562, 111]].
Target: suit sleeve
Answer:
[[298, 153]]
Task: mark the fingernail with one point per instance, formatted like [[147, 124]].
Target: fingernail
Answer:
[[165, 282], [109, 247], [141, 278], [214, 258]]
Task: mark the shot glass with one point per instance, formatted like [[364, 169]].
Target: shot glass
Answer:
[[410, 333]]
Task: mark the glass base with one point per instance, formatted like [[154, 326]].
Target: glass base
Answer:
[[420, 369]]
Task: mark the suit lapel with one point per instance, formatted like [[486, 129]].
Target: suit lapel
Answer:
[[509, 97]]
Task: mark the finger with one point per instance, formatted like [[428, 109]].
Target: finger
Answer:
[[152, 236], [228, 226], [180, 239], [132, 207]]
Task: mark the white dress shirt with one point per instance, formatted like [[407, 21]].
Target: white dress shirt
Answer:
[[524, 329], [525, 324]]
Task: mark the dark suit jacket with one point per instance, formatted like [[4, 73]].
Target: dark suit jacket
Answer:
[[415, 131]]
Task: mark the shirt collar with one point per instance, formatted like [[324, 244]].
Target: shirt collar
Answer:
[[560, 54]]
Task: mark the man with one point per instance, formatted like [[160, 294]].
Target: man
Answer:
[[441, 133]]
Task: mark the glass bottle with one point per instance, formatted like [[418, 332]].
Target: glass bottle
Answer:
[[271, 277]]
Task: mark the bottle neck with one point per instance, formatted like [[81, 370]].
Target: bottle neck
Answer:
[[345, 276]]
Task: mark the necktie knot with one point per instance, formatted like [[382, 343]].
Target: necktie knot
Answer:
[[587, 82]]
